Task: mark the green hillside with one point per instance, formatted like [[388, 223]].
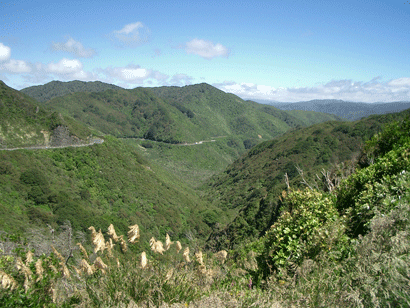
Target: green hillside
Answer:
[[96, 184], [25, 122], [251, 186], [43, 93]]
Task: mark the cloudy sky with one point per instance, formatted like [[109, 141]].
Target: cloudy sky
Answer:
[[287, 50]]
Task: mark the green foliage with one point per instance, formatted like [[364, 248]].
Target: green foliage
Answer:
[[309, 225], [363, 194]]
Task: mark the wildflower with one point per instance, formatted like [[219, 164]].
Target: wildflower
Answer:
[[83, 251], [143, 260], [186, 255], [133, 234], [111, 232], [7, 281]]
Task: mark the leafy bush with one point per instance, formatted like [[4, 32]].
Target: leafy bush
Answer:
[[309, 225]]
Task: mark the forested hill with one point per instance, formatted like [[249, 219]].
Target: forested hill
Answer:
[[43, 93], [94, 185], [179, 114], [252, 185]]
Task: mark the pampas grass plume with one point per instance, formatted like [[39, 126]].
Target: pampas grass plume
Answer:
[[123, 244], [29, 257], [86, 268], [83, 251], [156, 246], [168, 242], [144, 261], [178, 246], [98, 263], [39, 270], [198, 257], [97, 239], [133, 234], [58, 255], [186, 255], [111, 232], [221, 256], [109, 245], [7, 281], [23, 268]]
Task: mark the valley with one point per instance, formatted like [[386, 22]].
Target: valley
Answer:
[[273, 188]]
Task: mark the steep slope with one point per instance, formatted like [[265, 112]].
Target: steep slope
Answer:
[[43, 93], [251, 186], [25, 122]]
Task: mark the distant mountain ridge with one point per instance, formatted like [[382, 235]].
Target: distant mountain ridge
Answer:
[[348, 110]]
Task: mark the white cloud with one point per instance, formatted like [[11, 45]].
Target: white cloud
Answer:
[[74, 47], [131, 35], [17, 67], [206, 49], [373, 91], [5, 52], [132, 74], [65, 66], [180, 80], [400, 82]]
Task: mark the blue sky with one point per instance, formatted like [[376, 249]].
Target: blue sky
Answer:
[[274, 50]]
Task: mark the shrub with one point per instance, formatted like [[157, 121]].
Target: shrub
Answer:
[[309, 225]]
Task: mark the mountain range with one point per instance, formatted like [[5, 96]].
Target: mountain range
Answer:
[[347, 110]]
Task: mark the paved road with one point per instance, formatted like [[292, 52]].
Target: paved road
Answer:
[[44, 147]]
